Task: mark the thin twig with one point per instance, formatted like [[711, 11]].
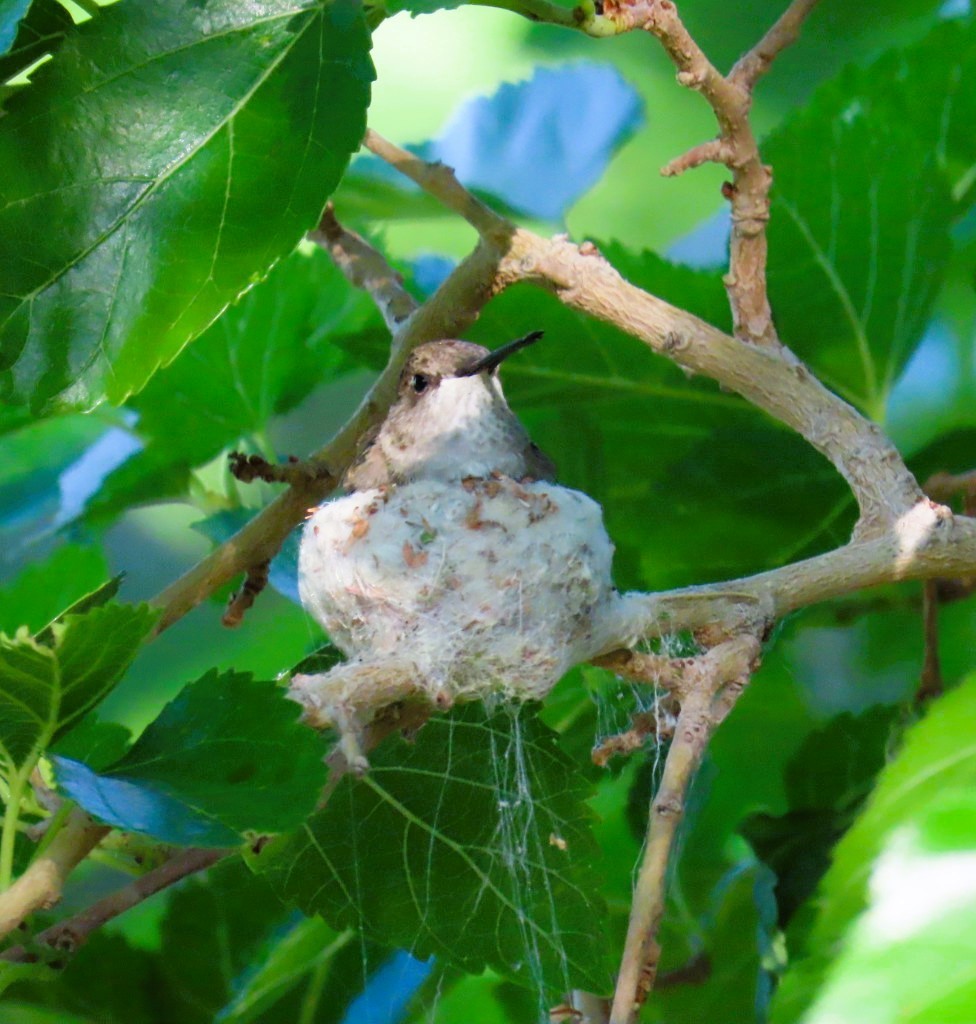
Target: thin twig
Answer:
[[946, 486], [68, 936], [745, 281], [441, 182], [729, 663], [365, 268], [753, 65]]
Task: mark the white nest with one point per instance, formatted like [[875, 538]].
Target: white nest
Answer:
[[459, 591]]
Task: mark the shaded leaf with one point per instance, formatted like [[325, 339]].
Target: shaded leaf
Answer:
[[228, 755], [728, 983], [45, 690], [163, 208], [217, 928], [35, 458], [827, 781], [98, 744], [288, 958], [486, 853], [24, 40], [11, 14], [859, 235]]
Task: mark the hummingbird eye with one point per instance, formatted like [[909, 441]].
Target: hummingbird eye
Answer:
[[420, 382]]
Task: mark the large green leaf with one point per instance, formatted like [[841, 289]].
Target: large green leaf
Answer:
[[45, 689], [227, 756], [909, 958], [859, 237], [216, 929], [180, 149], [937, 762], [482, 841]]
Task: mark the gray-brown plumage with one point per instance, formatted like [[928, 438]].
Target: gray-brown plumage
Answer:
[[450, 422]]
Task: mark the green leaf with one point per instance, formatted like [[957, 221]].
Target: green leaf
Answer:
[[482, 840], [166, 211], [45, 690], [260, 359], [909, 958], [228, 755], [34, 458], [859, 236], [98, 744], [44, 590], [937, 761]]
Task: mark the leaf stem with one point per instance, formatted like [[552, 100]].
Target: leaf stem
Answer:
[[11, 816]]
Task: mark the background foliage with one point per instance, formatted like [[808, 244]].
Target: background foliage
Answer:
[[157, 172]]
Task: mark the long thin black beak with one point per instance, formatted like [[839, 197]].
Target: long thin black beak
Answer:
[[499, 355]]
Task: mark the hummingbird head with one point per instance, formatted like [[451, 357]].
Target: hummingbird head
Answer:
[[431, 364], [451, 420]]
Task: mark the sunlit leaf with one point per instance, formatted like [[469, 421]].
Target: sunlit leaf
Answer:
[[45, 589], [166, 211], [937, 761]]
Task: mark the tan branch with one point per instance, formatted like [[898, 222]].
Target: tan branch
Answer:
[[730, 98], [772, 378], [68, 936], [730, 663], [365, 268], [929, 543], [745, 281], [39, 887], [441, 182]]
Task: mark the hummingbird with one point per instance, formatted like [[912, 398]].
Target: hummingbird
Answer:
[[455, 568], [450, 422]]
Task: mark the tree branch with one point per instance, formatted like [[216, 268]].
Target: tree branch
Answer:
[[365, 268], [727, 665], [68, 936], [39, 887]]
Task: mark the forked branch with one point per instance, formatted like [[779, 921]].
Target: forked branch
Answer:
[[709, 687]]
